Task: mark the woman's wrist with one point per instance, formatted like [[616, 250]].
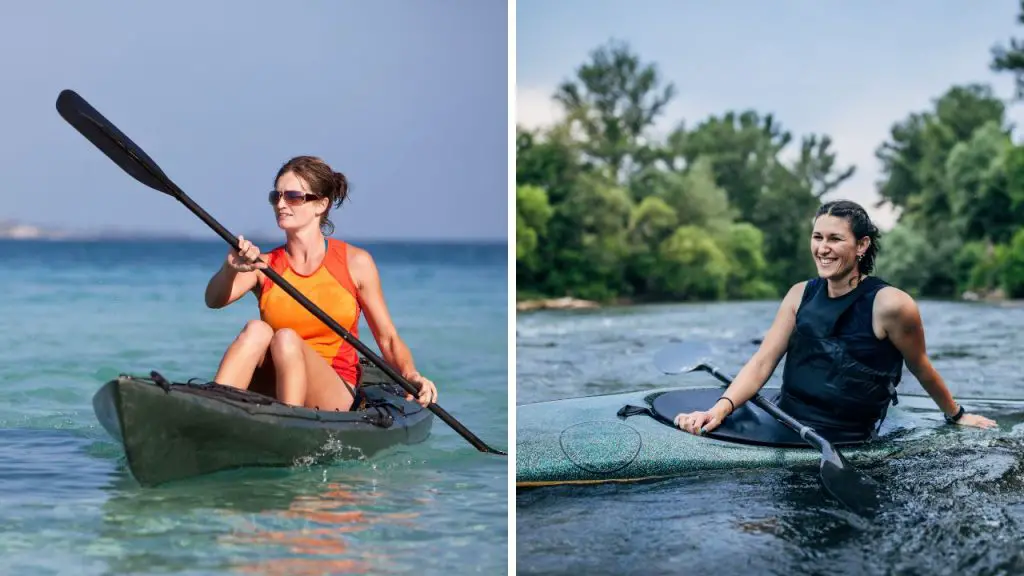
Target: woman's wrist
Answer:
[[956, 415], [724, 406]]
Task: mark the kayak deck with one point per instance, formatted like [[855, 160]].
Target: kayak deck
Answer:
[[609, 438], [171, 431]]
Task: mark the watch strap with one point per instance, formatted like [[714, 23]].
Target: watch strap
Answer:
[[955, 417]]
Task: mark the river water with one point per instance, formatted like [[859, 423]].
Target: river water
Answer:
[[955, 509]]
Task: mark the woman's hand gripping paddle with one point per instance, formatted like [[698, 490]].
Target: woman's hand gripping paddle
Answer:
[[852, 488]]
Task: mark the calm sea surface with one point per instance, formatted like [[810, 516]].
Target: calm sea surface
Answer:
[[76, 314], [956, 510]]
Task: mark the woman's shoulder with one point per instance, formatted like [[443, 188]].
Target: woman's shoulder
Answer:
[[356, 255], [358, 261], [802, 289], [891, 302]]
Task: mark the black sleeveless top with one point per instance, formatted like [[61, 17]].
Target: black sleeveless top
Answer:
[[853, 326], [838, 377]]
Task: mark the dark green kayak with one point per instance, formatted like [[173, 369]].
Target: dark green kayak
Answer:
[[171, 431]]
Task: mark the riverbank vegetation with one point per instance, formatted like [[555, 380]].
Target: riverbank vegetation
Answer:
[[721, 208]]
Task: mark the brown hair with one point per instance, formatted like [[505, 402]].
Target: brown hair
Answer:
[[322, 180]]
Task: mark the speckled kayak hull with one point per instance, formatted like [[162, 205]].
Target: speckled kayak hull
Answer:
[[585, 441]]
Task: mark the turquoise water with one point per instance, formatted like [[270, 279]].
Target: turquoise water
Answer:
[[76, 314]]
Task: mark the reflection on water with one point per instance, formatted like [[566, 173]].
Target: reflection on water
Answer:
[[320, 543], [314, 520]]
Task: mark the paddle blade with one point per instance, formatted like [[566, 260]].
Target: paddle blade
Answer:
[[680, 357], [112, 142], [849, 486]]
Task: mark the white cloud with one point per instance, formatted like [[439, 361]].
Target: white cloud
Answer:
[[535, 108]]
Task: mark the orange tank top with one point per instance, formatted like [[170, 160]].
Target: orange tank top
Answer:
[[331, 288]]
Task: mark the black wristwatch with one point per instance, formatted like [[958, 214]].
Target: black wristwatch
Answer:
[[955, 417]]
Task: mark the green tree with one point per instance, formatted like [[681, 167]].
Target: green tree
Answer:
[[651, 223], [532, 215], [816, 166], [590, 230], [978, 188], [719, 208], [1011, 59], [1012, 266], [692, 266], [695, 196], [614, 99], [743, 245], [548, 160], [914, 157], [741, 148]]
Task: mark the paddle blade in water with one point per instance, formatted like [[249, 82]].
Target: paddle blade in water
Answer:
[[852, 488], [118, 147], [680, 357]]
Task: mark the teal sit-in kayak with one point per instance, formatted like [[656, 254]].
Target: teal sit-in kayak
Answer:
[[630, 437], [171, 431]]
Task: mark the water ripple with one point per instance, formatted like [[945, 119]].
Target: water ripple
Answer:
[[80, 314], [957, 509]]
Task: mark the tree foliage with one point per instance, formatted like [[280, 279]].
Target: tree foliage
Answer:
[[723, 207]]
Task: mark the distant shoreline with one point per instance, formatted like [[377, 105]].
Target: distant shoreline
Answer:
[[537, 304], [258, 240], [22, 232]]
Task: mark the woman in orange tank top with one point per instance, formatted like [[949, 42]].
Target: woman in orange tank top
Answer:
[[288, 353]]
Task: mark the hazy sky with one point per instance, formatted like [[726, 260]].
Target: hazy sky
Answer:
[[848, 69], [408, 98]]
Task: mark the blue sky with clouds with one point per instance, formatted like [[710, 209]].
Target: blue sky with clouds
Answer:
[[848, 69], [408, 98]]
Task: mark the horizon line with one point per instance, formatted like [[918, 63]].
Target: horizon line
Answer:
[[135, 237]]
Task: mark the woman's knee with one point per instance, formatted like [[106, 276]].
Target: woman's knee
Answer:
[[286, 344], [257, 334]]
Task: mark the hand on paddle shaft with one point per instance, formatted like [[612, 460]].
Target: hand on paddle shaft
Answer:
[[246, 258], [133, 160], [845, 483], [428, 391]]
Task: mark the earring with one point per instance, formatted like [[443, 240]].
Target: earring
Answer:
[[859, 256]]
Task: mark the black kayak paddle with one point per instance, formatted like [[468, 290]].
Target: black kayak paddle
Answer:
[[849, 486], [130, 157]]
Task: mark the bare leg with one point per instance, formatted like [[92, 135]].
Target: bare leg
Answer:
[[289, 367], [244, 354], [303, 377]]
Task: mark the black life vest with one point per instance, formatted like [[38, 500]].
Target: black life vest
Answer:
[[824, 385]]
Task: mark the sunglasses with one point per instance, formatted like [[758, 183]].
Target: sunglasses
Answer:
[[291, 197]]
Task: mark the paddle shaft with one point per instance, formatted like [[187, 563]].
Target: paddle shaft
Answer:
[[847, 485], [805, 432], [333, 325]]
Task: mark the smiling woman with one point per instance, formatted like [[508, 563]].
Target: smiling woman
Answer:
[[288, 353], [846, 335]]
